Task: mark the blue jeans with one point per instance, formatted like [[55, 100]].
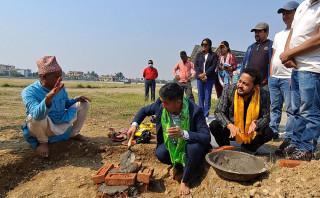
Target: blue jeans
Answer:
[[147, 84], [204, 95], [305, 95], [280, 92]]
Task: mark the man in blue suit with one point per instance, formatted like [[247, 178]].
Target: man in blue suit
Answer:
[[183, 137]]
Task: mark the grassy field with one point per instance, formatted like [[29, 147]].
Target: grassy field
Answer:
[[107, 100]]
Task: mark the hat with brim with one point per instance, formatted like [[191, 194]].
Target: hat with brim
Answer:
[[261, 26], [291, 5]]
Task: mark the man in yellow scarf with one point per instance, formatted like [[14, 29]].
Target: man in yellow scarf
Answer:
[[243, 113]]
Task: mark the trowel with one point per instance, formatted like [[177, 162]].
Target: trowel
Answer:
[[127, 157]]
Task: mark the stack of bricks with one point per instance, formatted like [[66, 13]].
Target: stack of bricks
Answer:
[[140, 180]]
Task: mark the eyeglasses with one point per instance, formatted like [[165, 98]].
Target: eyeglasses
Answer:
[[204, 44]]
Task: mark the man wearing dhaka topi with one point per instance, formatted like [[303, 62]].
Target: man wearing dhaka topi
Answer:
[[51, 116]]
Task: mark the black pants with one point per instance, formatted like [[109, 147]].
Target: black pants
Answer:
[[222, 136], [194, 153], [187, 88]]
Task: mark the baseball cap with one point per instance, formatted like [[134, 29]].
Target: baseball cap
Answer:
[[291, 5], [261, 26]]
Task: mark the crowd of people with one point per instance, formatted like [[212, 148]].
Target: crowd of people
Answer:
[[286, 70]]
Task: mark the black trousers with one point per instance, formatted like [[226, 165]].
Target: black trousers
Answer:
[[222, 136], [194, 153]]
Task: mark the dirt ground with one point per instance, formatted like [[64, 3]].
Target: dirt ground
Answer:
[[69, 169]]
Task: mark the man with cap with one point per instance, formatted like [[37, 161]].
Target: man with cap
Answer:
[[51, 116], [184, 77], [302, 53], [259, 54], [279, 79]]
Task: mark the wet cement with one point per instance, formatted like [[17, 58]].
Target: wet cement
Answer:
[[126, 164], [237, 162]]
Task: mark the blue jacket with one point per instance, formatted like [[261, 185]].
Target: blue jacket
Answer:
[[199, 131], [246, 60], [211, 65], [60, 111]]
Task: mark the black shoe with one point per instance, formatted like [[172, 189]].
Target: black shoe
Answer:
[[285, 143], [246, 150], [301, 155], [286, 151], [275, 136]]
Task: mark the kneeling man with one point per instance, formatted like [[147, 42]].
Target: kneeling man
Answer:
[[51, 115], [183, 137], [243, 113]]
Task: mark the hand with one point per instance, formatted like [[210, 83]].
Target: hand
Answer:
[[174, 132], [177, 77], [131, 132], [233, 130], [204, 80], [83, 99], [201, 76], [291, 64], [56, 89], [189, 78], [253, 126], [285, 56]]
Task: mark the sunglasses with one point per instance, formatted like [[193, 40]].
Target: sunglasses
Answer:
[[204, 44]]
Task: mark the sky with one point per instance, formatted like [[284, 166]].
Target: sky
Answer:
[[122, 35]]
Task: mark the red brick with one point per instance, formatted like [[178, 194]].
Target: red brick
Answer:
[[101, 173], [231, 148], [143, 188], [120, 179], [290, 163], [144, 174]]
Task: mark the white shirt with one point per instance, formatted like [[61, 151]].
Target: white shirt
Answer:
[[279, 43], [306, 25], [204, 63]]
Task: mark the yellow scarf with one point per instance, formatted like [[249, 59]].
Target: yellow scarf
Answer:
[[252, 114]]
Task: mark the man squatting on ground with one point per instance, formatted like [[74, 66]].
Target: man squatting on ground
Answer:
[[280, 77], [183, 137], [184, 77], [51, 115], [302, 53], [243, 113]]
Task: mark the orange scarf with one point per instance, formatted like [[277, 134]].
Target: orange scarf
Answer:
[[252, 114]]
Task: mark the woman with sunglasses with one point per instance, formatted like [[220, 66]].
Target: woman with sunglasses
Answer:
[[205, 65], [227, 63]]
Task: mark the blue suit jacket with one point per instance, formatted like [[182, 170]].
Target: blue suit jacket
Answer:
[[199, 131], [211, 65]]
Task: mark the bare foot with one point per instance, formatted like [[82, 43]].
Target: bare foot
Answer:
[[177, 174], [43, 149], [79, 137], [184, 189]]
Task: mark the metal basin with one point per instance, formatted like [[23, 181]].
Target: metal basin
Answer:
[[235, 165]]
